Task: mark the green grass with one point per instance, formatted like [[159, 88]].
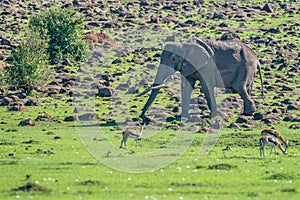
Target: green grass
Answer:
[[65, 168], [53, 159]]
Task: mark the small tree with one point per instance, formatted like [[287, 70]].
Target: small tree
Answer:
[[2, 80], [64, 29], [30, 61]]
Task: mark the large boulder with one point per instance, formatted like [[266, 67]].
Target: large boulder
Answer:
[[88, 117], [105, 92]]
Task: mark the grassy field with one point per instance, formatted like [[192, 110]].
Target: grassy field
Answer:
[[82, 160], [49, 161]]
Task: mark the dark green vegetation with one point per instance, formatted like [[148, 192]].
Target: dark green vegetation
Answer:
[[63, 30], [53, 36], [47, 159], [29, 65]]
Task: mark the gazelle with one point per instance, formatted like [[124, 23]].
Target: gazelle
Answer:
[[276, 134], [131, 134], [273, 142]]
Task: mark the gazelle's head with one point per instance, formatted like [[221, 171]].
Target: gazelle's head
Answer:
[[285, 152]]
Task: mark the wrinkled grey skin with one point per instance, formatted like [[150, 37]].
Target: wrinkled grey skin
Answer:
[[224, 64]]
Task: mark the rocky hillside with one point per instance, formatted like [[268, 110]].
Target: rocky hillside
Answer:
[[130, 35]]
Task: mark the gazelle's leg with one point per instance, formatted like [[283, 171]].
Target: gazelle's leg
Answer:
[[271, 150], [262, 150], [125, 140], [121, 145]]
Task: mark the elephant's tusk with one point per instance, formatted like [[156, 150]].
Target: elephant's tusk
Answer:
[[168, 80], [144, 92]]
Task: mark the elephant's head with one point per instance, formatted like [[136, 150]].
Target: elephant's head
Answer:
[[184, 57]]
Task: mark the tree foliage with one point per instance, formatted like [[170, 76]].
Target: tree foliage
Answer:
[[29, 68], [64, 28]]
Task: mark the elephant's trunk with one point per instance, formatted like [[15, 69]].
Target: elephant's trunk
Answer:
[[163, 76], [149, 101]]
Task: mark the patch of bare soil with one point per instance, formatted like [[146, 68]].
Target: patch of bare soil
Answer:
[[31, 187]]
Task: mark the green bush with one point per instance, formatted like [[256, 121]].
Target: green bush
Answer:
[[64, 29], [2, 80], [29, 68]]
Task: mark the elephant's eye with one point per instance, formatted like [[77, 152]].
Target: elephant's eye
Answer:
[[173, 57]]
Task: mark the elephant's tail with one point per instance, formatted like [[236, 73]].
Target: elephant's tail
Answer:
[[261, 81]]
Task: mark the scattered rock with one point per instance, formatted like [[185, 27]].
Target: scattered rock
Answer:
[[294, 126], [258, 116], [45, 117], [151, 66], [268, 8], [173, 127], [272, 118], [133, 90], [217, 15], [230, 36], [57, 137], [16, 106], [234, 125], [228, 148], [26, 122], [6, 101], [84, 70], [88, 117], [292, 107], [291, 118], [243, 119], [71, 118], [105, 92], [32, 102], [5, 42], [123, 86]]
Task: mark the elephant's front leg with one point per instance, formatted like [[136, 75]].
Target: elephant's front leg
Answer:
[[210, 98], [187, 86]]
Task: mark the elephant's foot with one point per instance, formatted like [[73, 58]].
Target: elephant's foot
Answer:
[[249, 112], [184, 116], [249, 108], [216, 124], [213, 114]]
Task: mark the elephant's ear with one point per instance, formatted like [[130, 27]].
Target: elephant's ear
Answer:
[[195, 58], [175, 48], [203, 44]]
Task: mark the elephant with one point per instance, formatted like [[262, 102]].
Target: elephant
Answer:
[[224, 64]]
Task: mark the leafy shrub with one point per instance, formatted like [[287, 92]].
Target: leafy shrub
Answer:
[[30, 61], [2, 80], [64, 28]]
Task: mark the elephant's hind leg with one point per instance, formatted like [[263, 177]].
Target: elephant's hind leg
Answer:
[[249, 105]]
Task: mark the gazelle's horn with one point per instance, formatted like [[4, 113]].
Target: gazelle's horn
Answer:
[[164, 84]]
